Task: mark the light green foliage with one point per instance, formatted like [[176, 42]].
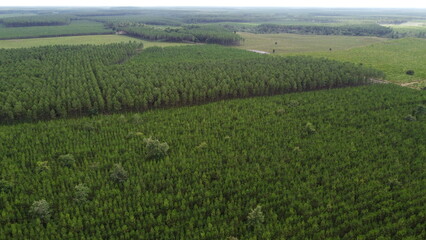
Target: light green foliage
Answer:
[[310, 128], [81, 193], [118, 174], [155, 149], [295, 43], [41, 209], [42, 166], [256, 217], [77, 40], [394, 58], [66, 160]]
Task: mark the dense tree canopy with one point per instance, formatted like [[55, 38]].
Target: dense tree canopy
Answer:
[[37, 20], [61, 81], [361, 175], [191, 33]]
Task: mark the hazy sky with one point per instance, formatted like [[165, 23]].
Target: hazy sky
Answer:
[[273, 3]]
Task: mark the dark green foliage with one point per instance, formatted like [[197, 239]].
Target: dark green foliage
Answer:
[[76, 27], [420, 110], [81, 193], [63, 81], [118, 174], [40, 20], [5, 186], [362, 174], [41, 210], [410, 118], [66, 160], [410, 72], [191, 33], [351, 30], [155, 149]]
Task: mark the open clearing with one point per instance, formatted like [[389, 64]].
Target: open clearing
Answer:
[[76, 40], [392, 57], [406, 24], [292, 43]]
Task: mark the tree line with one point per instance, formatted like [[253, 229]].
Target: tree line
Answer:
[[350, 30], [37, 20], [190, 33]]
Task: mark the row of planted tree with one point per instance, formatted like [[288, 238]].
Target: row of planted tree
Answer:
[[336, 164], [61, 81]]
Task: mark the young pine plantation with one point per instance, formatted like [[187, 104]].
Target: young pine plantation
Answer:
[[61, 81], [201, 141], [344, 163]]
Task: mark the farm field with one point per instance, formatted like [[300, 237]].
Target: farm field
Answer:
[[393, 57], [296, 43], [75, 28], [341, 163], [76, 40]]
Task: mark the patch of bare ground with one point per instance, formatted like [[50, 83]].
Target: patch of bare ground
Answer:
[[413, 85]]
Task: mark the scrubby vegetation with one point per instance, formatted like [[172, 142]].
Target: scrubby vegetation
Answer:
[[257, 174]]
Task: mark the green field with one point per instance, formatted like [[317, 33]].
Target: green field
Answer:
[[392, 57], [75, 28], [331, 164], [291, 43], [76, 40]]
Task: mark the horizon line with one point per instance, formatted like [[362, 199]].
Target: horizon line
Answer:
[[194, 6]]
